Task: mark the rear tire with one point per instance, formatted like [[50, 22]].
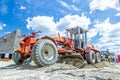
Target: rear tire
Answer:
[[98, 57], [90, 57], [45, 52], [17, 59]]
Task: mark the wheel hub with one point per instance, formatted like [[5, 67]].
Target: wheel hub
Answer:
[[48, 52]]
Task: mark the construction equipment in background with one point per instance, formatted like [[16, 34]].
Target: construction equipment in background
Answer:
[[47, 50], [107, 55], [104, 55]]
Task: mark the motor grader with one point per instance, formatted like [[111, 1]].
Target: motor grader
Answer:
[[47, 50]]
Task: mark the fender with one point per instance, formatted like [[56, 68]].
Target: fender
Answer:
[[91, 47], [88, 48], [47, 37]]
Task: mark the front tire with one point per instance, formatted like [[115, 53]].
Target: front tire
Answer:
[[98, 57], [90, 57], [45, 52]]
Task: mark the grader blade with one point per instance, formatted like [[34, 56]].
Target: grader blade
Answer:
[[73, 59], [10, 42]]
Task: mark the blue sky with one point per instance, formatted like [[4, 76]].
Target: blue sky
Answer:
[[100, 17]]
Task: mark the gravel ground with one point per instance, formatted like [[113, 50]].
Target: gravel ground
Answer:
[[58, 71]]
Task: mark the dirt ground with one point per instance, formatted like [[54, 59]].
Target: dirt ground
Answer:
[[58, 71]]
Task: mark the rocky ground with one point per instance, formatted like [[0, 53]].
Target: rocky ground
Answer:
[[58, 71]]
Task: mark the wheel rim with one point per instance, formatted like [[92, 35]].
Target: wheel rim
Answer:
[[48, 52]]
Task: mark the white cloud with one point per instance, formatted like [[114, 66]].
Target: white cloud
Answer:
[[92, 32], [2, 25], [22, 7], [70, 7], [104, 4], [42, 22], [73, 21], [118, 14], [109, 35], [48, 26]]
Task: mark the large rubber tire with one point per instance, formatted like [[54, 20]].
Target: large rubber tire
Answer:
[[97, 57], [90, 57], [45, 52], [17, 59]]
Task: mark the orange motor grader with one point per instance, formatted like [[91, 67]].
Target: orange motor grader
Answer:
[[47, 49]]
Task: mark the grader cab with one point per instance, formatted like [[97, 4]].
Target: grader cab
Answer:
[[79, 37], [47, 50]]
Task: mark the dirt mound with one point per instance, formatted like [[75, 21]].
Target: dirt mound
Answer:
[[72, 60], [79, 63], [97, 65]]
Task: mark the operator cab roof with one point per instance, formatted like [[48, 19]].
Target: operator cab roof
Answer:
[[76, 29]]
